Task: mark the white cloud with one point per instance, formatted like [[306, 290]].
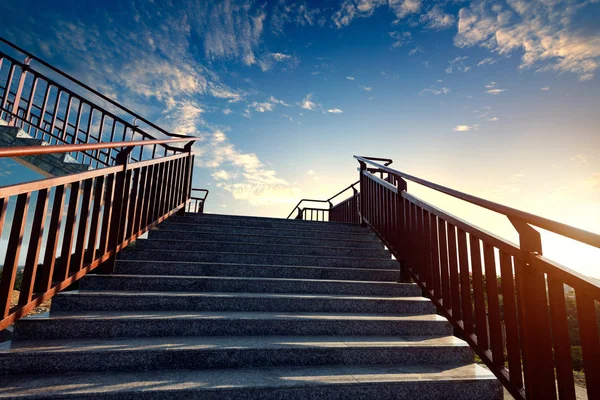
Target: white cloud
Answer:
[[437, 19], [545, 32], [310, 172], [486, 61], [435, 90], [221, 175], [281, 56], [416, 50], [492, 88], [268, 105], [400, 38], [227, 111], [351, 9], [308, 104], [366, 88], [464, 128], [335, 111], [458, 63], [350, 78], [493, 119], [545, 89]]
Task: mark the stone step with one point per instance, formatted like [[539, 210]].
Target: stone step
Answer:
[[174, 268], [368, 243], [261, 248], [397, 382], [105, 324], [165, 283], [261, 222], [354, 234], [82, 300], [110, 355], [257, 258]]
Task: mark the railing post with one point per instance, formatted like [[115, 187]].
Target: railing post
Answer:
[[536, 338], [299, 216], [187, 189], [118, 212], [12, 118], [363, 198], [402, 187]]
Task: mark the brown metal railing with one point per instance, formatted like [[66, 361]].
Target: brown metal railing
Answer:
[[80, 222], [50, 111], [321, 214], [196, 204], [507, 301]]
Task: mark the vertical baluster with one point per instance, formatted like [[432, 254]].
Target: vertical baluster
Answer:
[[465, 285], [435, 259], [141, 198], [425, 249], [33, 250], [145, 217], [590, 346], [107, 215], [562, 344], [94, 224], [57, 100], [86, 202], [61, 272], [128, 191], [513, 348], [66, 121], [478, 293], [31, 98], [454, 275], [493, 305], [445, 275], [7, 85], [44, 283], [135, 187], [13, 250]]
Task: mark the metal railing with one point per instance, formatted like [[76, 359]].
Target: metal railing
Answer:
[[47, 110], [320, 214], [507, 301], [196, 204], [80, 222]]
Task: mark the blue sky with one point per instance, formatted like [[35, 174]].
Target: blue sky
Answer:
[[496, 98]]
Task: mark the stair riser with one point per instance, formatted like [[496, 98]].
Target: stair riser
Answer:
[[106, 361], [188, 303], [254, 271], [261, 248], [283, 224], [363, 234], [275, 239], [242, 258], [198, 284], [109, 328]]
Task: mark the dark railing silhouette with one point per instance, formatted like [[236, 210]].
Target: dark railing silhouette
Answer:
[[80, 222], [319, 214], [467, 271], [36, 102], [196, 204]]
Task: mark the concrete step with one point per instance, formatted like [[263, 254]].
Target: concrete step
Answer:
[[261, 222], [264, 302], [257, 258], [110, 355], [174, 268], [398, 382], [105, 324], [354, 234], [261, 248], [165, 283], [369, 241]]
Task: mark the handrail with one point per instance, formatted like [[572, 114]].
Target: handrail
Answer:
[[92, 90], [322, 201], [507, 301], [105, 210], [196, 204], [22, 151], [571, 232]]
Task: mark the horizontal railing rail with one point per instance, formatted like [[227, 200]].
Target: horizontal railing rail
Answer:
[[59, 229], [319, 212], [196, 204], [49, 111], [522, 313]]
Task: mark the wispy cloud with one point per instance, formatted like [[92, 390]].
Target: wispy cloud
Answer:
[[464, 128], [400, 38], [308, 104], [437, 19], [350, 78], [436, 89], [351, 9], [221, 175], [366, 88], [545, 89], [458, 64], [492, 88], [335, 111], [486, 61], [546, 33], [416, 50]]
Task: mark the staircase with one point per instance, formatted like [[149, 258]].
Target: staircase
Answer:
[[216, 306]]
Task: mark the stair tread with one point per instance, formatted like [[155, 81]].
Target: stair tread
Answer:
[[183, 343], [266, 219], [248, 278], [226, 380], [361, 258], [253, 265], [243, 295], [228, 315]]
